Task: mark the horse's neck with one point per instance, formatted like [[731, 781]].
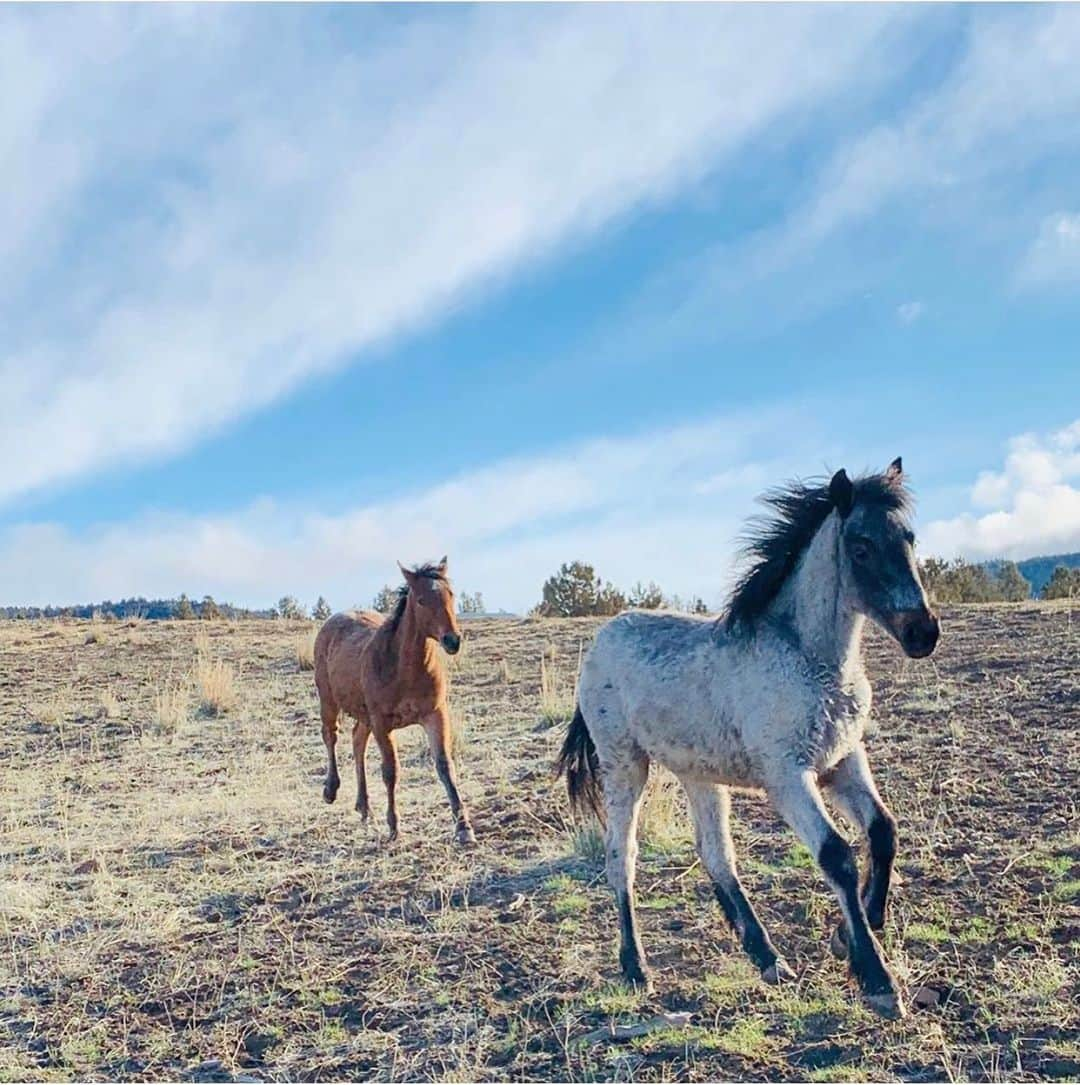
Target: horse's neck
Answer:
[[411, 648], [816, 605]]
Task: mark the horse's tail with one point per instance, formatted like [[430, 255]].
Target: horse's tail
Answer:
[[579, 762]]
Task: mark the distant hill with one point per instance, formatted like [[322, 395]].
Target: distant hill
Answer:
[[1037, 571]]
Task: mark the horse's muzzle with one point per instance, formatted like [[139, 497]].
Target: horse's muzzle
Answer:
[[918, 632], [451, 642]]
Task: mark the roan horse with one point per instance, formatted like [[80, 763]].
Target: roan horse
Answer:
[[386, 673], [772, 695]]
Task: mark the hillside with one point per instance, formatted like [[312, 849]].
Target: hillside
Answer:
[[1037, 571]]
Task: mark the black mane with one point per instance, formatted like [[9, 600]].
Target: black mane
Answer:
[[774, 543], [430, 570]]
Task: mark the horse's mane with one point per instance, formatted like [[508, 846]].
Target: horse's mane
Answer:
[[773, 544], [430, 570]]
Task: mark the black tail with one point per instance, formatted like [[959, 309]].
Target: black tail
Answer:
[[579, 761]]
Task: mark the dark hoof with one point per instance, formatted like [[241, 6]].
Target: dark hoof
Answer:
[[639, 980], [838, 944], [466, 837], [887, 1005], [330, 793], [637, 975], [363, 811], [778, 972]]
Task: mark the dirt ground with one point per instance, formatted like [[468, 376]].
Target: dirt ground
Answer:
[[176, 901]]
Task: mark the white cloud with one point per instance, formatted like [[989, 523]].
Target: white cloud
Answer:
[[1054, 256], [910, 311], [206, 207], [1033, 503], [638, 507]]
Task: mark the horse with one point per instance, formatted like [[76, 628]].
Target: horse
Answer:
[[770, 696], [386, 672]]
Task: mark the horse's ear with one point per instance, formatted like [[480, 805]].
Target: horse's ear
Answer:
[[841, 492], [410, 576], [895, 471], [442, 566]]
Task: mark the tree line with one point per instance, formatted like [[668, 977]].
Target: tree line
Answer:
[[961, 581], [576, 591]]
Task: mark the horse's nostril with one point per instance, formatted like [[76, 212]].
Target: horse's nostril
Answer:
[[920, 635]]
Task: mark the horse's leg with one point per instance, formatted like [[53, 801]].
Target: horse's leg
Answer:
[[624, 785], [797, 798], [330, 712], [360, 734], [851, 784], [388, 748], [441, 741], [710, 807]]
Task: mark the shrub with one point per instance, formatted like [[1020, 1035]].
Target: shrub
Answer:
[[1064, 584], [289, 609], [385, 600]]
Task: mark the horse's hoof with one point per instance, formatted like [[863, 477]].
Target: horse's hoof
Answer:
[[778, 972], [329, 794], [888, 1005], [639, 979], [838, 944], [466, 837], [363, 811]]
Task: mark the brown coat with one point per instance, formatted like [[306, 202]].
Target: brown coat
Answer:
[[387, 673]]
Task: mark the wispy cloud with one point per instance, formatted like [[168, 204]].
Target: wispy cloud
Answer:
[[910, 311], [1032, 505], [206, 208], [639, 507], [1054, 256]]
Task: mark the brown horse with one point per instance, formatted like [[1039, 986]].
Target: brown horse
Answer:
[[386, 673]]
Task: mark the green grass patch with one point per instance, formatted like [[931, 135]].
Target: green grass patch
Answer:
[[660, 902], [746, 1037], [928, 932], [843, 1072], [570, 904], [1057, 865], [735, 978], [1069, 890], [977, 929], [613, 999], [799, 857]]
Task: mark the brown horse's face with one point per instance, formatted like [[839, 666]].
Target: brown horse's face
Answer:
[[432, 600]]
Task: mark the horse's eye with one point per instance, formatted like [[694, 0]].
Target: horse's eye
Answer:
[[860, 551]]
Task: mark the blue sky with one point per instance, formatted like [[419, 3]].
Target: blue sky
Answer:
[[290, 293]]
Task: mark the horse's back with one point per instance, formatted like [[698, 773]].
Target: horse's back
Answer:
[[649, 685], [644, 654], [338, 647]]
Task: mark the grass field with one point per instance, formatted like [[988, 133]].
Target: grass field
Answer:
[[176, 901]]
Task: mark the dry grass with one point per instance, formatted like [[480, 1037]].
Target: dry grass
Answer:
[[558, 691], [178, 903], [170, 708], [305, 651], [109, 703], [217, 686]]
